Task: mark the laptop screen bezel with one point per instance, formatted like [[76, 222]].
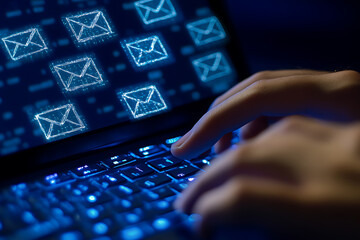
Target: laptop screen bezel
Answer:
[[120, 134]]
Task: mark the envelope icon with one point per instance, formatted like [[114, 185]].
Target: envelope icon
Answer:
[[24, 44], [80, 73], [152, 11], [206, 31], [144, 101], [147, 51], [89, 26], [60, 121], [212, 67]]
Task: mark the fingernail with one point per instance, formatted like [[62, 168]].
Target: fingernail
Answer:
[[181, 141]]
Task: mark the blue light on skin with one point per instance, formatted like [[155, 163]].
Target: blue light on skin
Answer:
[[161, 224], [126, 203]]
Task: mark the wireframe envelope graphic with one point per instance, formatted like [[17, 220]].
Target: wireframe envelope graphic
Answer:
[[24, 44], [147, 51], [77, 74], [206, 31], [89, 26], [212, 67], [152, 11], [60, 121], [144, 101]]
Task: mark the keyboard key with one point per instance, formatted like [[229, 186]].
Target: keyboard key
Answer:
[[179, 186], [56, 179], [165, 163], [183, 171], [202, 163], [97, 198], [132, 233], [88, 170], [154, 181], [119, 160], [138, 171], [150, 151], [171, 141], [110, 180], [81, 188], [125, 189], [164, 192]]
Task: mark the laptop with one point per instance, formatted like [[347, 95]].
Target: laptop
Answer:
[[92, 95]]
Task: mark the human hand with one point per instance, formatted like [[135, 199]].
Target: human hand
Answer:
[[323, 95], [300, 173]]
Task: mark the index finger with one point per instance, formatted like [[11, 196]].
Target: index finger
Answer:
[[278, 97]]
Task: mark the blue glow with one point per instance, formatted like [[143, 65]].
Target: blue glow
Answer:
[[161, 224], [24, 44], [89, 26], [144, 101], [172, 140], [126, 189], [206, 31], [132, 218], [212, 67], [162, 204], [92, 213], [126, 203], [77, 74], [91, 198], [60, 121], [132, 233], [152, 11], [100, 228], [147, 51]]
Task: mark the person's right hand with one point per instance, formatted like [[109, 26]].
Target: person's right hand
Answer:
[[323, 95]]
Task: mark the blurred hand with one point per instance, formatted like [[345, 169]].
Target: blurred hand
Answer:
[[323, 95], [299, 172]]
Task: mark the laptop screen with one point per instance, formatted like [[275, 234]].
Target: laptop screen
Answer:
[[72, 67]]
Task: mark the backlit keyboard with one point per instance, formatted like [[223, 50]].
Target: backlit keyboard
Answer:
[[127, 196]]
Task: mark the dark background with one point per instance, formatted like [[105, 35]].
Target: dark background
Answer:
[[314, 34]]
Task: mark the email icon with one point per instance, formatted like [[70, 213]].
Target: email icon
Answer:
[[147, 51], [206, 31], [60, 121], [152, 11], [24, 44], [144, 101], [212, 67], [89, 26], [80, 73]]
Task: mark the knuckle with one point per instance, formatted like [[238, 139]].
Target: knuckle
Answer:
[[242, 190], [292, 122], [351, 77], [262, 75], [351, 74]]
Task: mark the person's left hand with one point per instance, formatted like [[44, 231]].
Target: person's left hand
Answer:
[[299, 172]]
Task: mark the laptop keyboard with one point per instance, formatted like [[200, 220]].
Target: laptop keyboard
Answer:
[[128, 196]]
